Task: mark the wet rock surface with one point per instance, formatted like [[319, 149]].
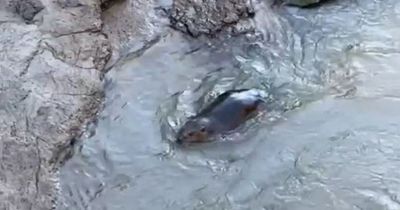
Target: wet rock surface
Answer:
[[130, 26], [209, 17], [50, 87]]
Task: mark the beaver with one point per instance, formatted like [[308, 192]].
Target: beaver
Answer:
[[226, 113]]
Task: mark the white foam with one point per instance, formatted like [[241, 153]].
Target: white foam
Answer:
[[252, 94]]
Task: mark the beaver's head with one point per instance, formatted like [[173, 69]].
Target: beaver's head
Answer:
[[195, 130]]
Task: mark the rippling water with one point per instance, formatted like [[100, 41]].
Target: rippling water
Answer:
[[332, 142]]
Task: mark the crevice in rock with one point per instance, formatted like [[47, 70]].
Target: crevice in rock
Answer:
[[106, 4], [30, 59], [39, 168], [90, 30], [78, 94], [98, 50], [57, 57], [84, 117], [39, 156]]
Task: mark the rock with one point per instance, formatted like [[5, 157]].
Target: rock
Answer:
[[82, 50], [62, 19], [131, 26], [27, 9], [209, 16], [50, 87], [21, 161], [70, 3], [19, 49], [302, 3]]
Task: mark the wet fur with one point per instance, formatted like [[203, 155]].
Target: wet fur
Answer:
[[218, 112], [219, 100]]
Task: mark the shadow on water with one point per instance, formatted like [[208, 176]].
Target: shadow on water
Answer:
[[329, 141]]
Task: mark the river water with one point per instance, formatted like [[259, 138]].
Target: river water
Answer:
[[329, 142]]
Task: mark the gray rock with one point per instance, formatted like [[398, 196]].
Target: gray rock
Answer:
[[82, 50], [209, 16], [27, 9], [50, 84], [50, 87], [60, 21], [131, 26], [21, 161], [70, 3]]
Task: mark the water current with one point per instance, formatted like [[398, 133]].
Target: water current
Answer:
[[330, 140]]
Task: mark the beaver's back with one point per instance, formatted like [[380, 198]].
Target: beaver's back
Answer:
[[232, 108]]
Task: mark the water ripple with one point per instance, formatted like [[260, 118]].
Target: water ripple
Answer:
[[330, 141]]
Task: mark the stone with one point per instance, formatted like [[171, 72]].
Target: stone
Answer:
[[70, 3], [60, 19], [210, 16], [82, 50], [130, 25], [27, 9], [50, 87]]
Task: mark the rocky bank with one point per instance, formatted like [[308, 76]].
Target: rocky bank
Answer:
[[52, 57]]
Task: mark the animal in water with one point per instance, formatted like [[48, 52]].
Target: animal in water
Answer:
[[226, 113]]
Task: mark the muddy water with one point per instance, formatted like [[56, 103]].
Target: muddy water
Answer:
[[331, 142]]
